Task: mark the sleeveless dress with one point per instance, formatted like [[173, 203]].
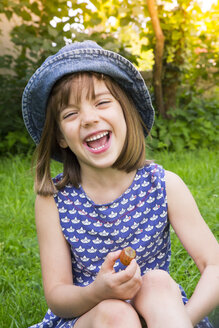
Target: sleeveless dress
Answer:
[[138, 218]]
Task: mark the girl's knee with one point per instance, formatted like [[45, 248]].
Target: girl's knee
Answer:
[[158, 289], [115, 313], [159, 280]]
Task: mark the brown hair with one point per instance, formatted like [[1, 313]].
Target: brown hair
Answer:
[[132, 155]]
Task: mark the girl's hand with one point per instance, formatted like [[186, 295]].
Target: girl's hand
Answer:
[[122, 285]]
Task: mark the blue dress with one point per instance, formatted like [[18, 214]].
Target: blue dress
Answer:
[[138, 218]]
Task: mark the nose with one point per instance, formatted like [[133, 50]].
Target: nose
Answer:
[[89, 116]]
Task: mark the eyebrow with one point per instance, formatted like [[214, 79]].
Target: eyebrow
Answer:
[[102, 93], [96, 95]]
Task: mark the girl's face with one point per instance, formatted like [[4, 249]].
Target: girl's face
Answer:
[[93, 127]]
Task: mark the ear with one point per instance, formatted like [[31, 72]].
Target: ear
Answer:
[[63, 143]]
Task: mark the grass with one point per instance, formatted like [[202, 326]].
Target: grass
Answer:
[[199, 170], [21, 293]]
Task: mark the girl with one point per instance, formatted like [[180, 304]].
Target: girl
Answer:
[[90, 109]]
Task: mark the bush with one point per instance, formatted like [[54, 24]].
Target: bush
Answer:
[[14, 138], [192, 126]]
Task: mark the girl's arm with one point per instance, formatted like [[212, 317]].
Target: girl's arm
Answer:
[[199, 242], [65, 299]]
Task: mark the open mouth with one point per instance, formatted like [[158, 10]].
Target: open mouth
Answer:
[[98, 141]]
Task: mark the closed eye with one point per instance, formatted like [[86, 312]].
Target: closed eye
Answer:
[[70, 114], [103, 103]]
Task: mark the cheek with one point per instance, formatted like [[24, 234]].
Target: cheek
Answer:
[[68, 130], [122, 123], [63, 138], [60, 138], [120, 117]]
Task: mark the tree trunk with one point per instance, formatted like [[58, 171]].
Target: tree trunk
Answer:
[[170, 87], [158, 56], [171, 71]]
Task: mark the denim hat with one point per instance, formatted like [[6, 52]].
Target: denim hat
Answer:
[[82, 57]]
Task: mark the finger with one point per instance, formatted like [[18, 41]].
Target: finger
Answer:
[[110, 260], [132, 268], [138, 274], [138, 271], [135, 282], [127, 274]]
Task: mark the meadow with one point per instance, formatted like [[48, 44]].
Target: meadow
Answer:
[[21, 293]]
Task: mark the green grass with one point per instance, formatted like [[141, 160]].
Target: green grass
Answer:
[[21, 294], [199, 170]]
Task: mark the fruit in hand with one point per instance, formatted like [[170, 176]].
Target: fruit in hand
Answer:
[[127, 254]]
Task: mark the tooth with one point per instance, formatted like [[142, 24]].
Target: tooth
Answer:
[[98, 148], [101, 135]]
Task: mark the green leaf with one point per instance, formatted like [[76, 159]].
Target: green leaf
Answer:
[[8, 14], [96, 3], [124, 21], [34, 8], [95, 21], [145, 47], [52, 31], [25, 15]]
